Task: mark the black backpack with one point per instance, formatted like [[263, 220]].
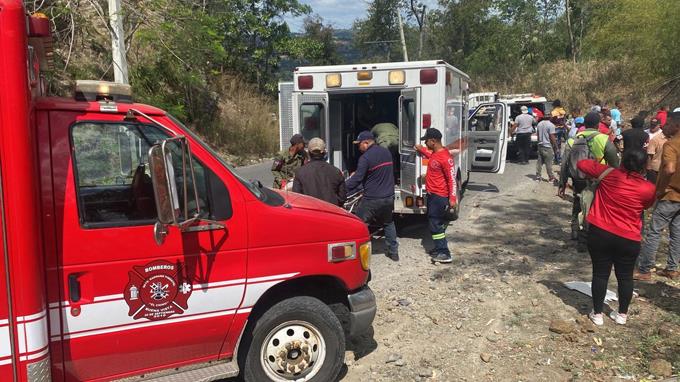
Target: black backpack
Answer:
[[580, 150]]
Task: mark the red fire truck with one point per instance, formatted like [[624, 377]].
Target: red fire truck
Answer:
[[131, 251]]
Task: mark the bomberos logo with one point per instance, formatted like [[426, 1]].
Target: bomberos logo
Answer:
[[157, 291]]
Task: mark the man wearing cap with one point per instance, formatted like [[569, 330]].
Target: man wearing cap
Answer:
[[440, 182], [601, 149], [523, 128], [375, 174], [287, 161], [319, 178]]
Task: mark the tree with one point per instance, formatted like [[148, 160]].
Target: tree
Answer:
[[377, 35], [320, 35]]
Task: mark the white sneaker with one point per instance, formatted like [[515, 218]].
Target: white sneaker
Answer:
[[618, 317], [597, 319]]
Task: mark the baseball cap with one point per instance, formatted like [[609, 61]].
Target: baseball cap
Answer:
[[592, 119], [676, 110], [431, 133], [364, 136], [316, 144], [579, 120], [524, 109], [297, 138]]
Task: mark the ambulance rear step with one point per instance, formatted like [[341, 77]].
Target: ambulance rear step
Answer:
[[204, 372]]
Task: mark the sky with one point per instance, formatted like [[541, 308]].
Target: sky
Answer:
[[338, 13]]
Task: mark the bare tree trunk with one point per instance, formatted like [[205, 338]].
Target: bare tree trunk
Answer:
[[570, 28], [401, 34], [422, 34]]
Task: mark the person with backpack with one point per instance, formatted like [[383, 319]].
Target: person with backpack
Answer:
[[615, 223], [587, 144]]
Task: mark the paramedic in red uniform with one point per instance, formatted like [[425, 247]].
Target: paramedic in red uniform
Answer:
[[440, 182]]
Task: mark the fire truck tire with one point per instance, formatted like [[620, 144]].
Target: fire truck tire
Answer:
[[299, 339]]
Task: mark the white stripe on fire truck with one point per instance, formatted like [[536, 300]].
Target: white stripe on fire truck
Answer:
[[206, 286], [208, 300], [31, 337]]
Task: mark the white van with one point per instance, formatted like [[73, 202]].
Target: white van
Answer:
[[337, 102]]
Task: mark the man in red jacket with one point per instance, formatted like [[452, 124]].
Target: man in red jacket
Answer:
[[440, 182]]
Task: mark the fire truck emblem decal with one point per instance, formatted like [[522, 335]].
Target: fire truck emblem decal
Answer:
[[156, 291]]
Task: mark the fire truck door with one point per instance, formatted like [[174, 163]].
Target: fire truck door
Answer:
[[128, 304], [310, 116], [488, 138], [409, 133]]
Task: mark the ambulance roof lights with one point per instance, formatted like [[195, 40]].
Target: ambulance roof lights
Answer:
[[364, 75], [305, 82], [397, 77], [87, 90], [333, 80]]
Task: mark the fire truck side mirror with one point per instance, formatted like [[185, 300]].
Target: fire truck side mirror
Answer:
[[164, 188]]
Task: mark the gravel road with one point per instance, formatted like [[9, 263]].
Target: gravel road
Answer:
[[499, 312]]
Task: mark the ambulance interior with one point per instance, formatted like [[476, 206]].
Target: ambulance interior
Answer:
[[352, 113]]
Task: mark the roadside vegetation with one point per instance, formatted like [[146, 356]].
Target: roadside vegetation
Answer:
[[215, 65]]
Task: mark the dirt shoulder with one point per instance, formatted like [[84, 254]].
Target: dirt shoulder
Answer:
[[487, 316]]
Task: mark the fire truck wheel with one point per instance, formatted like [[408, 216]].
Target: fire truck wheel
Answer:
[[298, 339]]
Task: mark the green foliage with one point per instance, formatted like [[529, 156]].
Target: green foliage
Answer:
[[631, 47], [377, 35]]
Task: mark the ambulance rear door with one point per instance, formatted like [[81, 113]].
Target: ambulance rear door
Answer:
[[409, 130], [310, 115], [488, 138]]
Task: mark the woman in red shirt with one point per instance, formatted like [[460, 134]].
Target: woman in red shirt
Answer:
[[615, 224]]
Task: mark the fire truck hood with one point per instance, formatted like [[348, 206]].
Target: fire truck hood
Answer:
[[299, 201], [300, 219]]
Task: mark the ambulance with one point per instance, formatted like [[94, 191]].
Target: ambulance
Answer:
[[132, 252], [336, 102]]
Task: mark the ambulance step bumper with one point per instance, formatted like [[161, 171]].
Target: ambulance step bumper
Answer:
[[206, 372]]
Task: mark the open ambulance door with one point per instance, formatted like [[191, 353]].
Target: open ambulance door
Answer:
[[409, 136], [488, 138], [310, 116]]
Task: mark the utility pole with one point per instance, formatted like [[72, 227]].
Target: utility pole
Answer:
[[401, 33], [120, 67]]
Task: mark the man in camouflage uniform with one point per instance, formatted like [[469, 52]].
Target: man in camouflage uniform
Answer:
[[287, 161]]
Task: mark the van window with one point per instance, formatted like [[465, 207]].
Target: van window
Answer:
[[312, 123], [408, 123], [113, 177]]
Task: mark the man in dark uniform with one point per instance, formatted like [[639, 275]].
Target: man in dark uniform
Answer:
[[287, 161], [319, 178], [375, 174]]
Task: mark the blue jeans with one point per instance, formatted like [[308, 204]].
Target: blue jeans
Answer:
[[379, 212], [665, 215], [437, 222], [560, 134]]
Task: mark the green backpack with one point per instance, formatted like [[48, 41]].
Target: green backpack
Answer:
[[588, 197]]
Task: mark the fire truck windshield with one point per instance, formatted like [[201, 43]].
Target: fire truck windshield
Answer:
[[255, 187]]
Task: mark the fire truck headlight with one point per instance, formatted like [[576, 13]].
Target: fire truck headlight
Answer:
[[365, 255], [333, 80]]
